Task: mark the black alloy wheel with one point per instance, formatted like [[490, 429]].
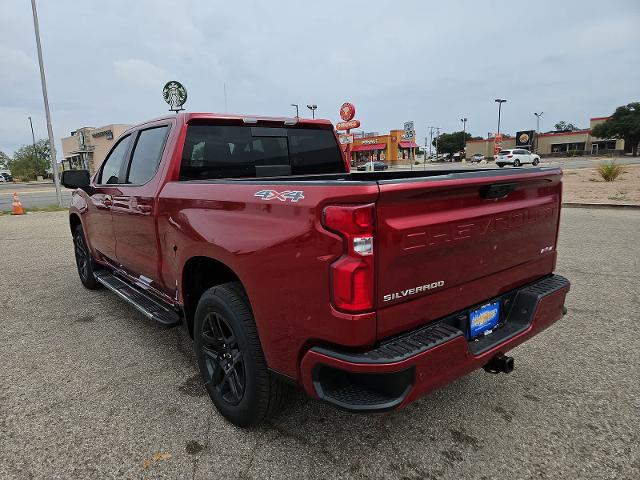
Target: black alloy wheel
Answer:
[[223, 358], [84, 261], [232, 365]]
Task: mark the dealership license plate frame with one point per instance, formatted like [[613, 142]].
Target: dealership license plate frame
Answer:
[[479, 326]]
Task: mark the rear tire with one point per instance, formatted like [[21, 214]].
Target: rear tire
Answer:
[[500, 165], [516, 163], [535, 162], [232, 364], [84, 261]]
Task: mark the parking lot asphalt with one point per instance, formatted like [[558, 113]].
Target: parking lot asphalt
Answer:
[[89, 388]]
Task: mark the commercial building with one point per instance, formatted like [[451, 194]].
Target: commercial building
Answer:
[[553, 143], [391, 148], [87, 147]]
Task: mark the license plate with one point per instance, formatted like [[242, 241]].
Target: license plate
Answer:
[[484, 319]]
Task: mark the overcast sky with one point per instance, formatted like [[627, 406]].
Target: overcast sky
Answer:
[[431, 62]]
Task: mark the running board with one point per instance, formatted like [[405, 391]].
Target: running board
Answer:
[[143, 302]]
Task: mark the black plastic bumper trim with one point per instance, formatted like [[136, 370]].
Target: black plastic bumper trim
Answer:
[[519, 305]]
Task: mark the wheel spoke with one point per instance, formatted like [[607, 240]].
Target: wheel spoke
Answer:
[[211, 341], [223, 358]]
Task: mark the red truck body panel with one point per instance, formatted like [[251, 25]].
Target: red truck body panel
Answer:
[[436, 231]]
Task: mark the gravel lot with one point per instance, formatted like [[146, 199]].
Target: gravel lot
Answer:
[[92, 389]]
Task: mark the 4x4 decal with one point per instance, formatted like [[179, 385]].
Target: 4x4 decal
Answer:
[[293, 195]]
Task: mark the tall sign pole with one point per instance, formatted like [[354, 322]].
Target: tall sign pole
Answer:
[[43, 80]]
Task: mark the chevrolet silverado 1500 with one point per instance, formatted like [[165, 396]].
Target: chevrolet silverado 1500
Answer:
[[368, 290]]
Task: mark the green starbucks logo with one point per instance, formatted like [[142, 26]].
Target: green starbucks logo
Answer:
[[175, 95]]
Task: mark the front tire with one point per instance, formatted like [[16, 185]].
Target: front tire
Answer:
[[84, 261], [232, 364], [535, 162]]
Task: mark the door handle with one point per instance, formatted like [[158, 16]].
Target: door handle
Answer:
[[143, 208]]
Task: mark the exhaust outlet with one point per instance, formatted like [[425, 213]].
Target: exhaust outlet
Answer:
[[500, 364]]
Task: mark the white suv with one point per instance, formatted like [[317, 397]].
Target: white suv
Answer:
[[516, 157]]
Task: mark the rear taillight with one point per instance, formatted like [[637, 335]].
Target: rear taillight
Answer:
[[509, 156], [352, 274]]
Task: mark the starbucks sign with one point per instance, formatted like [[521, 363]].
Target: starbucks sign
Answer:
[[175, 95]]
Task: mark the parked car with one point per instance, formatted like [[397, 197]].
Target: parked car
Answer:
[[476, 158], [368, 292], [516, 157], [6, 177], [377, 166]]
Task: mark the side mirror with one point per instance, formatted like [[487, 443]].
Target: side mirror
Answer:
[[75, 178]]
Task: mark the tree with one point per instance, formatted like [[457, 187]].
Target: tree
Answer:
[[28, 163], [4, 160], [625, 124], [563, 126], [451, 142]]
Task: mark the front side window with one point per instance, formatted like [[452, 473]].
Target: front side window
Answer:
[[110, 173], [229, 151], [146, 155]]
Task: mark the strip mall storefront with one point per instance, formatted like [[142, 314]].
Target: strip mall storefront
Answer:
[[390, 148], [554, 143]]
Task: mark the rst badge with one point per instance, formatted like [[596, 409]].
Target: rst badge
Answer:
[[293, 195]]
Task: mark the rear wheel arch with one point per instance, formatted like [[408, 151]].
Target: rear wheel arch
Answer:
[[199, 274], [74, 221]]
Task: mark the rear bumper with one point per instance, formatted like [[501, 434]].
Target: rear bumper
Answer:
[[413, 364]]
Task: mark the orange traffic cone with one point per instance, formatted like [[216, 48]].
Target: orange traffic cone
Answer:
[[17, 206]]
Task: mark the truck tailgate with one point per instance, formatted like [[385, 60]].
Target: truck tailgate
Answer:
[[446, 243]]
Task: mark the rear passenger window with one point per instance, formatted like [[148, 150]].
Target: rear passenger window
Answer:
[[146, 155], [230, 151], [110, 172]]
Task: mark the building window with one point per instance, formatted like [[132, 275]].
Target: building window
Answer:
[[567, 147]]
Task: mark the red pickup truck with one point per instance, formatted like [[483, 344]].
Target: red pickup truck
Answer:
[[369, 289]]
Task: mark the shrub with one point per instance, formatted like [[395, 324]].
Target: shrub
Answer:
[[609, 171]]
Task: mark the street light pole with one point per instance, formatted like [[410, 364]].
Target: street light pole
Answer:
[[499, 101], [52, 144], [33, 137], [296, 105], [313, 110], [538, 115], [464, 136]]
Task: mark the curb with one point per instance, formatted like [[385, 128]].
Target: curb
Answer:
[[621, 206]]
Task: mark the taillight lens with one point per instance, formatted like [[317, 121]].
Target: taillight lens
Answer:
[[509, 156], [352, 274]]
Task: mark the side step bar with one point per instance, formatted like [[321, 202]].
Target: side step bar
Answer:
[[145, 303]]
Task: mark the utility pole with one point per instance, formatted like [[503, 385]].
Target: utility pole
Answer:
[[52, 144], [431, 140], [33, 137], [464, 136], [296, 105], [437, 135], [538, 115], [499, 101]]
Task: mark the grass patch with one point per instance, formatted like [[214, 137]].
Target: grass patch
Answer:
[[610, 171], [48, 208], [620, 195]]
